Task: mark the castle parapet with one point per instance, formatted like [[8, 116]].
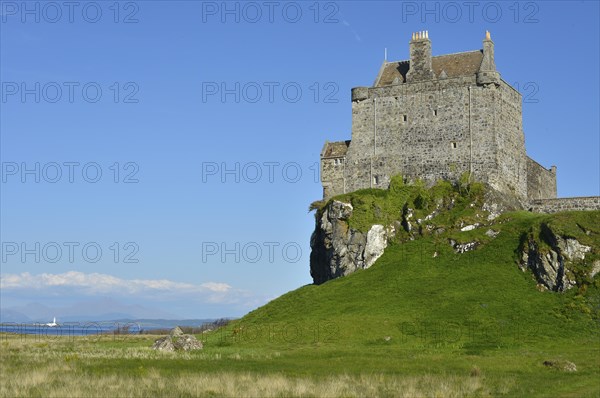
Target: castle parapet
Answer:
[[360, 93]]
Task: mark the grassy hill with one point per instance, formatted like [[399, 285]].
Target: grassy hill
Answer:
[[422, 321], [423, 308]]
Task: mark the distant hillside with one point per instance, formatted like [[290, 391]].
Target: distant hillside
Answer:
[[7, 315]]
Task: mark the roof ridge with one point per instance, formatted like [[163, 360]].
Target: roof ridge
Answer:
[[436, 56], [461, 52]]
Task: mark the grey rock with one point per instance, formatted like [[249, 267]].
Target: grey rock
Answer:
[[187, 342], [463, 247], [562, 365], [176, 331], [469, 227], [177, 341], [550, 267], [337, 249], [595, 269], [571, 248], [376, 244], [491, 233], [164, 344]]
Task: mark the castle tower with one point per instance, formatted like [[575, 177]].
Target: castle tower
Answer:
[[487, 71], [436, 117], [420, 58]]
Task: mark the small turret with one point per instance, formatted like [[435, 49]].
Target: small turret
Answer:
[[420, 58], [487, 71]]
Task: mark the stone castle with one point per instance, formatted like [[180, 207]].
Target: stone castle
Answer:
[[437, 117]]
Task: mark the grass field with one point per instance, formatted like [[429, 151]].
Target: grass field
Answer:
[[413, 325]]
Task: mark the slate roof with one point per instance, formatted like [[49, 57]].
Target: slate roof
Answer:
[[454, 65], [336, 149]]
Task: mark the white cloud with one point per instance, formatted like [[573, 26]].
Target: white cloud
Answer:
[[198, 300], [95, 283]]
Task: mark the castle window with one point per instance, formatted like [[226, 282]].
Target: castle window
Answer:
[[375, 180], [404, 118], [435, 112], [453, 145]]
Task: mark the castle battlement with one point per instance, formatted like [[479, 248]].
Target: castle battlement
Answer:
[[437, 117]]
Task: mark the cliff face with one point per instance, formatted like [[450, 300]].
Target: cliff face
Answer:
[[340, 246], [553, 259], [339, 250], [560, 251]]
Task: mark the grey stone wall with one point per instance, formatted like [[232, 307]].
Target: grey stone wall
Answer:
[[332, 176], [408, 137], [565, 204], [437, 129], [541, 182], [511, 173]]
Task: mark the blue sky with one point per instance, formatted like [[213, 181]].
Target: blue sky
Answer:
[[206, 119]]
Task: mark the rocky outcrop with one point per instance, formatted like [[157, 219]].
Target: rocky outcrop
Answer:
[[496, 203], [550, 260], [463, 247], [337, 249], [177, 341], [558, 260]]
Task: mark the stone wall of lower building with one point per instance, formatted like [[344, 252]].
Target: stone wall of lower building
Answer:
[[565, 204], [332, 176], [541, 182]]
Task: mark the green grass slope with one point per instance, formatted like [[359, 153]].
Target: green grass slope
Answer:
[[423, 308]]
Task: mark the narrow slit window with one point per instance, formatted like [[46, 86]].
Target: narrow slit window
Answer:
[[454, 145], [435, 112], [404, 118]]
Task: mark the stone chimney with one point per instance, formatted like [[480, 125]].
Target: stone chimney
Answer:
[[420, 58], [487, 71]]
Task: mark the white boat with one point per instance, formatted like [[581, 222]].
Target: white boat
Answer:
[[53, 323]]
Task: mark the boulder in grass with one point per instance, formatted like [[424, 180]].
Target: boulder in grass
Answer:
[[187, 342], [164, 344], [177, 341]]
